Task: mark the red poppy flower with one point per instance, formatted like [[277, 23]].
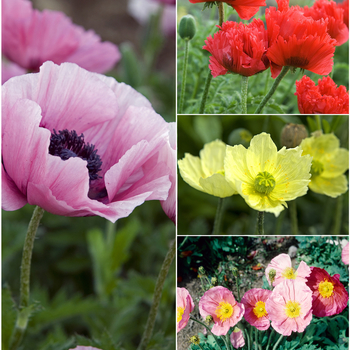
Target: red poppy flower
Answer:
[[345, 6], [298, 41], [238, 48], [329, 296], [326, 98], [246, 9], [336, 27]]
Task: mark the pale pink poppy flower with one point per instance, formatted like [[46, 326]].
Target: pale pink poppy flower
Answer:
[[31, 37], [289, 307], [220, 303], [9, 70], [108, 171], [236, 338], [84, 348], [184, 306], [255, 313], [345, 254], [329, 296], [282, 265], [168, 154]]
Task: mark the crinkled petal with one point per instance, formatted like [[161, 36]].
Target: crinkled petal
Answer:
[[217, 185], [191, 170], [332, 187]]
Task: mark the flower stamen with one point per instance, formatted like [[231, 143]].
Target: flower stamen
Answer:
[[264, 182]]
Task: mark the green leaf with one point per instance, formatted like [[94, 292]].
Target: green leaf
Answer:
[[208, 128], [9, 309], [326, 126]]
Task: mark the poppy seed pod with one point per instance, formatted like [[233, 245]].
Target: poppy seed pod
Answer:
[[187, 27]]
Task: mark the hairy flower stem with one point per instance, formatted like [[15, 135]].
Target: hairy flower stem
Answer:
[[294, 218], [318, 122], [260, 222], [184, 75], [256, 339], [244, 93], [147, 334], [218, 217], [24, 308], [248, 338], [226, 340], [268, 343], [278, 342], [207, 328], [210, 77], [338, 216], [283, 73]]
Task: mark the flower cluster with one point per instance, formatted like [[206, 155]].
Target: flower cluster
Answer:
[[298, 294]]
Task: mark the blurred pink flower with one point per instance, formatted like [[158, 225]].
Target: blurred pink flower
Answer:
[[329, 296], [282, 264], [84, 348], [289, 307], [31, 37], [345, 254], [184, 306], [220, 303], [9, 70], [109, 170], [254, 301], [236, 338]]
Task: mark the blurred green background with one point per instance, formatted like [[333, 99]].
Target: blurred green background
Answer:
[[225, 90], [196, 210]]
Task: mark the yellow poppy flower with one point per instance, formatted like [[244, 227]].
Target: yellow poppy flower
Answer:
[[206, 173], [329, 163], [265, 178]]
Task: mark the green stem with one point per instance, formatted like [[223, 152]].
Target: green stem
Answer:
[[224, 338], [205, 93], [260, 222], [218, 217], [294, 217], [207, 328], [184, 75], [278, 342], [338, 216], [244, 93], [221, 13], [24, 308], [237, 285], [318, 122], [156, 297], [200, 346], [266, 82], [248, 338], [256, 339], [283, 73], [292, 83], [270, 337]]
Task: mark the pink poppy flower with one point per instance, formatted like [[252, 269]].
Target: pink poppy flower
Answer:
[[329, 296], [84, 143], [345, 254], [184, 306], [9, 70], [289, 307], [31, 37], [236, 338], [255, 313], [282, 265], [220, 303]]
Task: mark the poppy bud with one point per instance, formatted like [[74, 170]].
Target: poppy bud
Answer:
[[187, 27], [293, 134]]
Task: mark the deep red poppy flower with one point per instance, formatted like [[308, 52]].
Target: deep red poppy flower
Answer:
[[326, 98], [246, 9], [329, 296], [238, 48], [345, 6], [298, 41], [336, 27]]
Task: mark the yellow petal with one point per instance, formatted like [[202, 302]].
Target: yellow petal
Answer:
[[336, 163], [332, 187], [317, 147], [191, 170], [217, 185], [212, 157]]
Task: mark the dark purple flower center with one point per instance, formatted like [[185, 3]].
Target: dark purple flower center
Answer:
[[66, 144]]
